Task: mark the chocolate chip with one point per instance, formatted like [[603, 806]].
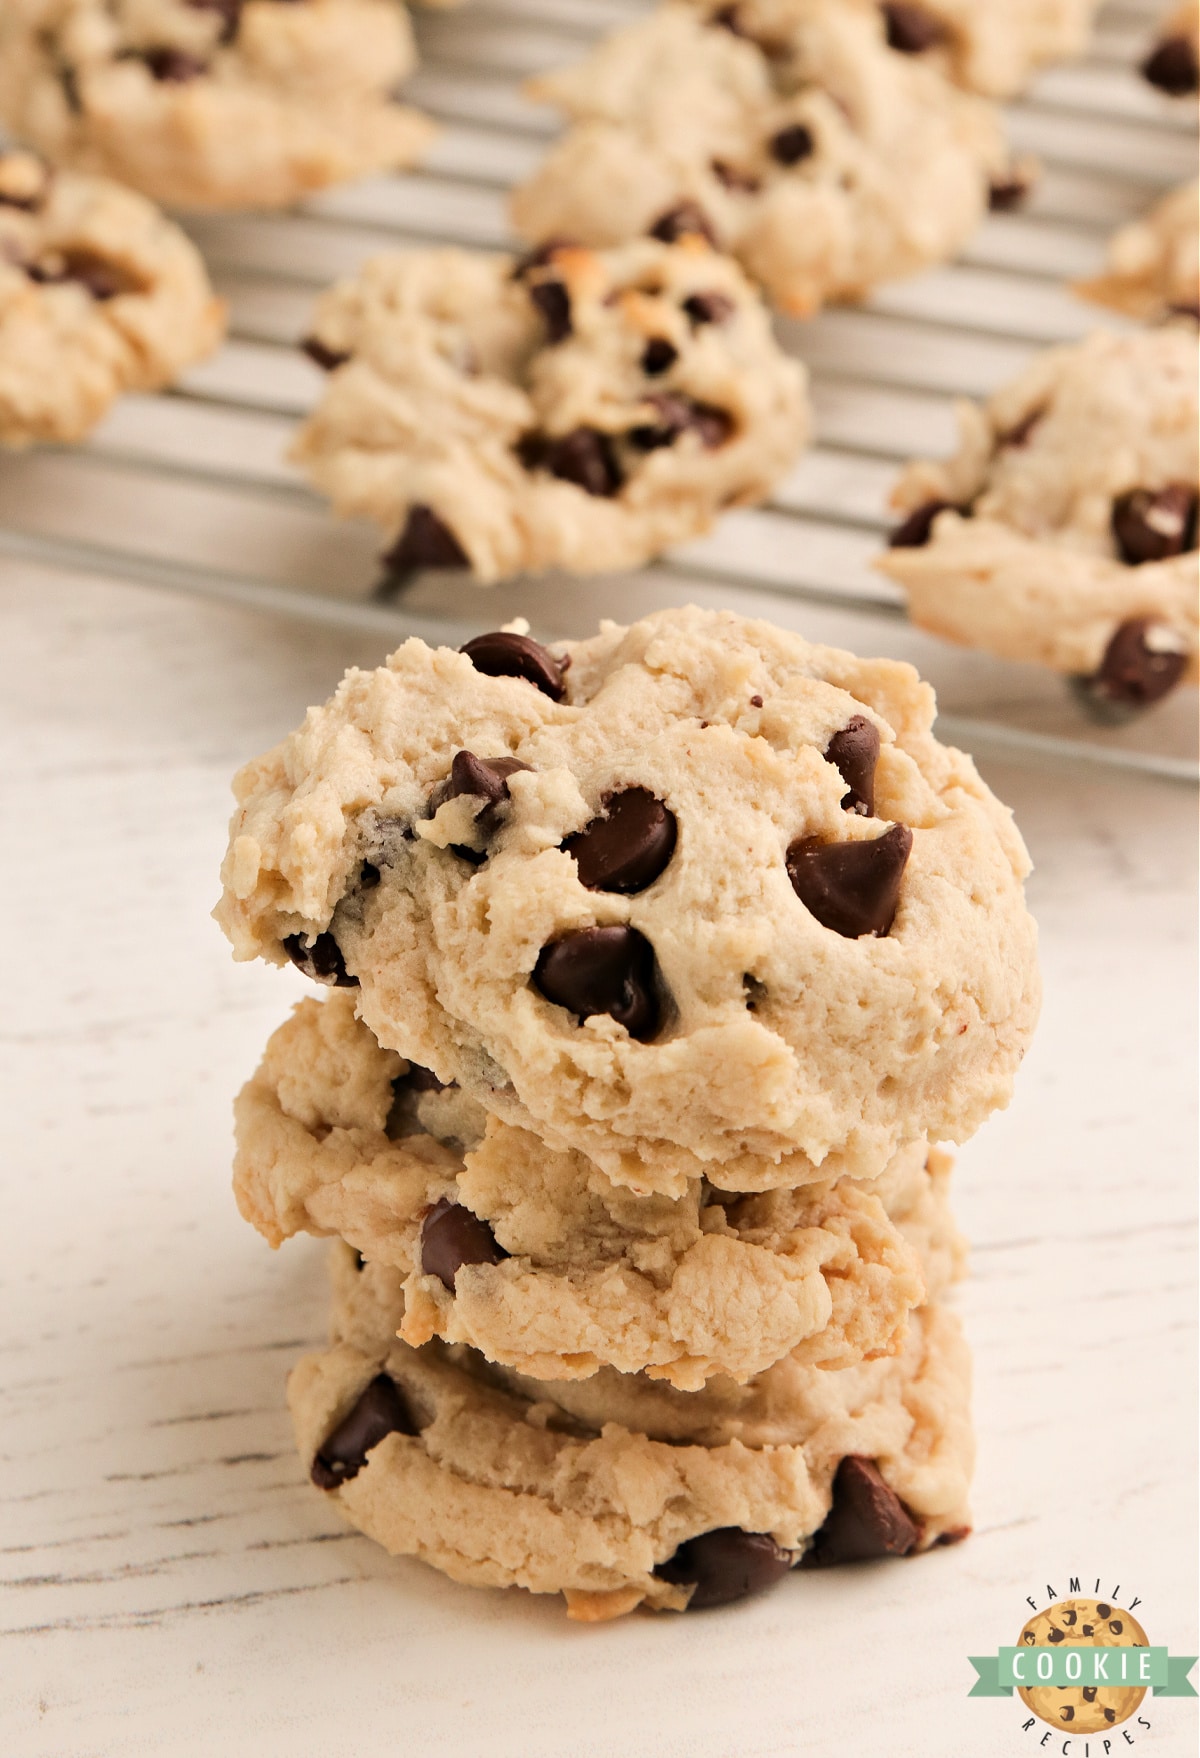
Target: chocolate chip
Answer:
[[380, 1411], [540, 256], [792, 144], [322, 960], [602, 970], [1019, 435], [725, 1565], [322, 355], [1110, 1715], [1136, 670], [687, 219], [1070, 1618], [1067, 1713], [501, 654], [628, 846], [452, 1236], [102, 278], [1172, 67], [584, 457], [1087, 1630], [709, 308], [1057, 1636], [1116, 1626], [173, 66], [425, 542], [855, 751], [756, 701], [912, 30], [1149, 525], [1104, 1611], [1008, 193], [658, 356], [852, 888], [917, 528], [867, 1519], [731, 178], [554, 303], [681, 414], [485, 777]]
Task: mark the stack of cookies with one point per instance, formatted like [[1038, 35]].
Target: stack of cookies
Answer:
[[655, 963]]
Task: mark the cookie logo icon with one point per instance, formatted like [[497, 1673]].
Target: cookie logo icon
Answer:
[[1091, 1706]]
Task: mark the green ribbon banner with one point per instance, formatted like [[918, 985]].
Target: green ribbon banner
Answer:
[[1073, 1664]]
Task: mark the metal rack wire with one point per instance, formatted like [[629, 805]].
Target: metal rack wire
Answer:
[[190, 491]]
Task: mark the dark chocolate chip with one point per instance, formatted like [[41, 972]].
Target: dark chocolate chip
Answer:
[[322, 960], [658, 356], [852, 888], [501, 654], [1067, 1713], [102, 278], [628, 846], [917, 528], [1148, 525], [1008, 193], [1134, 673], [1172, 67], [867, 1519], [1070, 1618], [540, 256], [380, 1411], [731, 178], [1110, 1715], [855, 751], [584, 457], [452, 1236], [1087, 1630], [322, 355], [173, 66], [681, 414], [486, 777], [792, 144], [602, 970], [709, 308], [1116, 1625], [1104, 1611], [425, 542], [1057, 1635], [1089, 1693], [912, 30], [554, 303], [368, 876], [687, 219], [1019, 435], [756, 701], [725, 1565]]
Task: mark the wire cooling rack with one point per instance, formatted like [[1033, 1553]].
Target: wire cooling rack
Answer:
[[191, 491]]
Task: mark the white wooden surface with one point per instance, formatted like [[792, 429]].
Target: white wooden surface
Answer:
[[191, 490], [170, 1584]]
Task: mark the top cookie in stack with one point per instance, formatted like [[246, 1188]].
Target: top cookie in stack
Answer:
[[694, 898]]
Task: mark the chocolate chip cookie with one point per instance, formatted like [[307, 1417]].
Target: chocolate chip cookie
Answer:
[[1090, 1623], [542, 1264], [693, 898], [423, 1452], [1064, 529], [212, 103], [786, 131], [99, 294], [574, 409]]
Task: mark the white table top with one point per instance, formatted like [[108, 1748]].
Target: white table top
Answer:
[[171, 1583]]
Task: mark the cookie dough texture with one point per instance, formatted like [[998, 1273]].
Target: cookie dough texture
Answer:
[[823, 160], [99, 294], [212, 105], [1090, 1623], [681, 1287], [584, 410], [1029, 568], [1154, 264], [996, 46], [786, 1053], [500, 1490]]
